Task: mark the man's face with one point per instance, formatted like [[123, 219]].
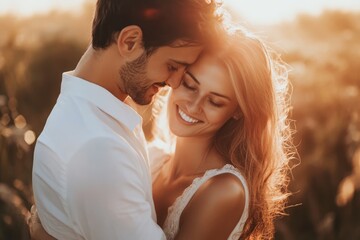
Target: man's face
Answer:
[[143, 77]]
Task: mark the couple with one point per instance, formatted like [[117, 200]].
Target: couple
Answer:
[[92, 177]]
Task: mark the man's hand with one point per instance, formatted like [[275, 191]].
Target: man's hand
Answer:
[[37, 232]]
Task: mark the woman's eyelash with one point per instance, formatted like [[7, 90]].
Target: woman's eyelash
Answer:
[[192, 88], [215, 104], [187, 86]]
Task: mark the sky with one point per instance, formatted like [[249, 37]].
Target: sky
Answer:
[[254, 11]]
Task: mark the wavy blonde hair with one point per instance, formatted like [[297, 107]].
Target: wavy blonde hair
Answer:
[[259, 142]]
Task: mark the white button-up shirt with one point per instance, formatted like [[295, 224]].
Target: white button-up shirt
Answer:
[[91, 176]]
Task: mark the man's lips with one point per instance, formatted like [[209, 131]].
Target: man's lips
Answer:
[[160, 84], [156, 86]]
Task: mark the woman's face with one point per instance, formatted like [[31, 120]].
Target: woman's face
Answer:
[[204, 101]]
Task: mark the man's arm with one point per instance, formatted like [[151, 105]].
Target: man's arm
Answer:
[[107, 195]]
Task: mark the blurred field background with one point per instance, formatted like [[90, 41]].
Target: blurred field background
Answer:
[[323, 51]]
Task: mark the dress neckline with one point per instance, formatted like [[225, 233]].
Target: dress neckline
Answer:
[[172, 220], [193, 184]]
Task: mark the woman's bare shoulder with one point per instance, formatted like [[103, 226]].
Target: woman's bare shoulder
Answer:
[[225, 188], [215, 209]]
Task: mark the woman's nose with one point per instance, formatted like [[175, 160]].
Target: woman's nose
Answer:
[[194, 106]]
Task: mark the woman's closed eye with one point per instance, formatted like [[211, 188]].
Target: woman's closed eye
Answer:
[[187, 85], [215, 103]]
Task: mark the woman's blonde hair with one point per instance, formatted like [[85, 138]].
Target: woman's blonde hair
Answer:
[[259, 142]]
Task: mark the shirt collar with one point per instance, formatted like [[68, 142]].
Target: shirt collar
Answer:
[[101, 98]]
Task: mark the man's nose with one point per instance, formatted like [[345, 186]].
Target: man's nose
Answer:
[[175, 79]]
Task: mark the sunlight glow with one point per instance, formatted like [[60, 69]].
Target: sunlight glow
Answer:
[[268, 12], [254, 11], [20, 122], [346, 191], [29, 137], [30, 7]]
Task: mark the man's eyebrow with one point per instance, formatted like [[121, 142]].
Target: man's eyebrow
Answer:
[[180, 62], [192, 76]]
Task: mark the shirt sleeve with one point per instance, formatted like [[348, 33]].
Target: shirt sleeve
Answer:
[[107, 194]]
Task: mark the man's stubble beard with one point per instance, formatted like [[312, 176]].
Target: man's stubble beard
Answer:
[[135, 81]]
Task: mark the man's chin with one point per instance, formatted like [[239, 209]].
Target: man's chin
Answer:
[[144, 101]]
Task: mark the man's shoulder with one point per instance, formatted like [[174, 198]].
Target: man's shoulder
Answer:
[[68, 133]]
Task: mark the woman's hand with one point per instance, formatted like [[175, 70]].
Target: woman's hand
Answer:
[[37, 232]]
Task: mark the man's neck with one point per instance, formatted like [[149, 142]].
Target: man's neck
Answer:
[[102, 68]]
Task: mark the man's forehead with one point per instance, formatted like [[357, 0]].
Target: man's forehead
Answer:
[[184, 43], [184, 55]]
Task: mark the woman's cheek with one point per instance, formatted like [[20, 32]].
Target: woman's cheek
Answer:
[[218, 116]]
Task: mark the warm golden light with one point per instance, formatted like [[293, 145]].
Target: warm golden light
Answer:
[[6, 132], [254, 11], [267, 12], [346, 191], [30, 7], [20, 122], [29, 137]]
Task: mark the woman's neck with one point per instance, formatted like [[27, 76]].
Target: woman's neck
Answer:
[[193, 156]]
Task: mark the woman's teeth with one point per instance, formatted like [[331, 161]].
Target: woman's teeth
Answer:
[[187, 118]]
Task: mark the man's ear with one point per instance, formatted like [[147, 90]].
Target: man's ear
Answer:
[[130, 41]]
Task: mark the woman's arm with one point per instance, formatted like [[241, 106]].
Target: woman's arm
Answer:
[[37, 232], [214, 210]]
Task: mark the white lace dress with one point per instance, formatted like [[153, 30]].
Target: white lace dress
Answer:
[[171, 224]]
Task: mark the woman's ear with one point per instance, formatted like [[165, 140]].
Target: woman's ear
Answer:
[[237, 115], [130, 42]]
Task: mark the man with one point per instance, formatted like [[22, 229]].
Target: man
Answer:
[[91, 175]]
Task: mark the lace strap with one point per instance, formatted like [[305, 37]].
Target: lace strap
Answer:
[[172, 221]]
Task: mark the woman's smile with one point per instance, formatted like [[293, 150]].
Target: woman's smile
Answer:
[[186, 118]]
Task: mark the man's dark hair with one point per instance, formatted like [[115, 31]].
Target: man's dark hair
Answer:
[[161, 21]]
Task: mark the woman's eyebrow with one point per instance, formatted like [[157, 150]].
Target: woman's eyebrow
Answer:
[[192, 76], [214, 93], [220, 95]]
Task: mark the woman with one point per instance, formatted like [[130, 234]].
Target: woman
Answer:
[[227, 176]]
